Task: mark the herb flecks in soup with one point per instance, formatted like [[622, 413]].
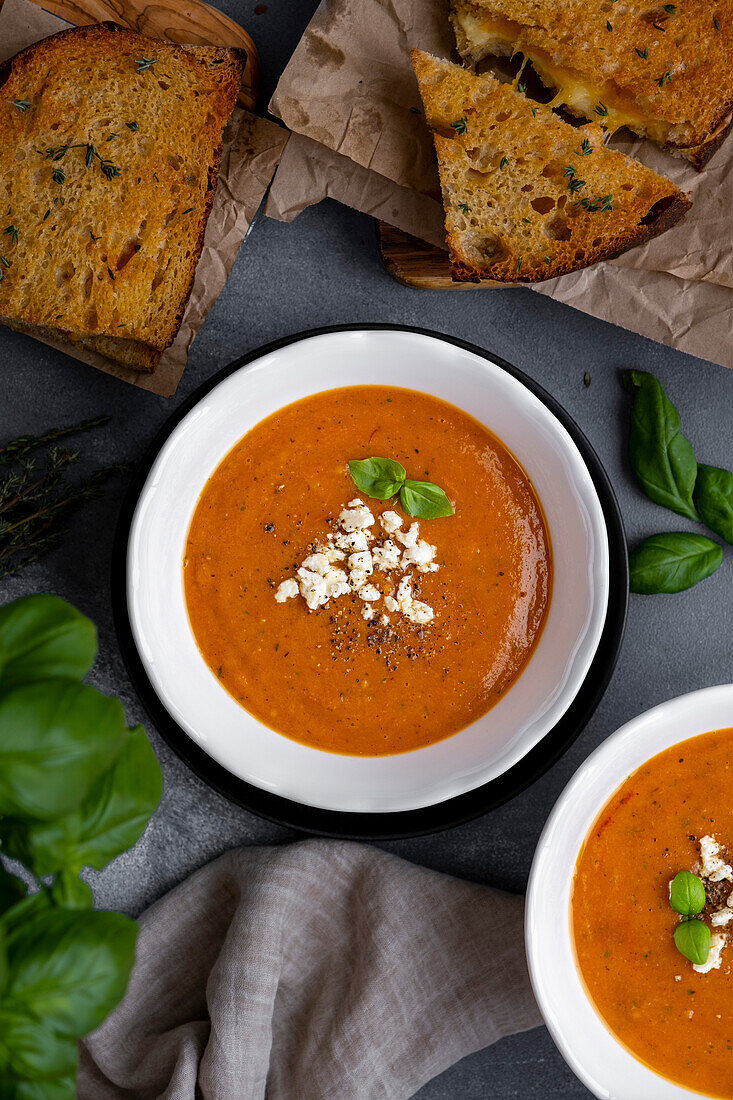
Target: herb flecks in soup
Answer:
[[329, 673], [653, 941], [350, 561]]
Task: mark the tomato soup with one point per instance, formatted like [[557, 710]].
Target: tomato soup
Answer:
[[676, 1020], [395, 664]]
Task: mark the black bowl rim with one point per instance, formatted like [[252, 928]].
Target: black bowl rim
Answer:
[[405, 823]]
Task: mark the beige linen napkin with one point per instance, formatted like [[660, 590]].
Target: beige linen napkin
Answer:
[[318, 971]]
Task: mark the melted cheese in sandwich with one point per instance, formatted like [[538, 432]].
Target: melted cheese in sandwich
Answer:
[[489, 35]]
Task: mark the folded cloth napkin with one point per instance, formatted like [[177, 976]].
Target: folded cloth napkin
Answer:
[[314, 971]]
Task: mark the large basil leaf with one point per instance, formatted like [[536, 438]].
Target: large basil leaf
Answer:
[[30, 1048], [713, 497], [662, 459], [56, 738], [111, 819], [70, 968], [693, 941], [61, 1088], [42, 636], [379, 478], [672, 562], [12, 890], [423, 499]]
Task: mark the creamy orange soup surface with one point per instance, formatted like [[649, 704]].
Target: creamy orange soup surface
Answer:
[[677, 1021], [328, 677]]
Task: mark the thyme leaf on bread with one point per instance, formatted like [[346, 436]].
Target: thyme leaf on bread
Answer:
[[144, 63], [35, 497], [22, 104], [460, 125]]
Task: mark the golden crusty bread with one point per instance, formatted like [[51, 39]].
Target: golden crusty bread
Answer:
[[110, 144], [663, 70], [527, 196]]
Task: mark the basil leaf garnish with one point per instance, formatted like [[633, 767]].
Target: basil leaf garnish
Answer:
[[662, 459], [672, 562], [693, 940], [379, 478], [383, 478], [421, 498], [687, 894], [713, 497]]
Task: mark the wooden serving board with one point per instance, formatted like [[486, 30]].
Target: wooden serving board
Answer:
[[413, 262], [187, 22]]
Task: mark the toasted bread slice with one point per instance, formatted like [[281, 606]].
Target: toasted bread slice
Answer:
[[527, 196], [110, 144], [662, 70]]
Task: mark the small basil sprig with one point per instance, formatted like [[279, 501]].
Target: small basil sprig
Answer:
[[713, 497], [383, 478], [692, 938], [672, 562], [662, 459], [687, 897], [687, 894]]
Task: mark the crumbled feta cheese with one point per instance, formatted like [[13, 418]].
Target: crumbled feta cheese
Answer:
[[420, 555], [409, 537], [369, 592], [713, 867], [362, 560], [387, 556], [717, 943], [353, 540], [287, 590], [317, 563], [390, 521], [357, 502], [331, 553], [356, 516], [414, 610], [391, 603], [367, 613], [337, 584], [723, 916], [358, 578], [312, 588]]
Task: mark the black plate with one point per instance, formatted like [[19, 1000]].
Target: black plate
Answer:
[[431, 819]]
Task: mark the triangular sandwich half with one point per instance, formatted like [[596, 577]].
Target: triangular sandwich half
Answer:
[[527, 196]]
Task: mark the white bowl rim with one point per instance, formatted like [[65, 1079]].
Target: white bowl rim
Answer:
[[629, 1078]]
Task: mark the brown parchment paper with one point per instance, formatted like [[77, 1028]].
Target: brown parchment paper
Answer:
[[350, 95], [252, 148]]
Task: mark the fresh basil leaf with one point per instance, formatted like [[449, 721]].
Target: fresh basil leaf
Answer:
[[29, 1048], [662, 459], [70, 968], [25, 910], [61, 1088], [42, 636], [111, 818], [68, 891], [672, 562], [693, 940], [687, 894], [12, 890], [56, 738], [379, 478], [421, 498], [713, 497]]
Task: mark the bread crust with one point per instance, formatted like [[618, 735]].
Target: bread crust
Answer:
[[211, 73]]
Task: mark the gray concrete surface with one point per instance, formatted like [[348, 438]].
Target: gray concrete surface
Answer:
[[322, 270]]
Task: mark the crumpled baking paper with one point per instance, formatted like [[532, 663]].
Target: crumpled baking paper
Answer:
[[350, 95]]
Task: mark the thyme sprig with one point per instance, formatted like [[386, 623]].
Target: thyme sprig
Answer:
[[56, 153], [144, 63], [604, 204], [35, 498], [460, 125], [23, 105]]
